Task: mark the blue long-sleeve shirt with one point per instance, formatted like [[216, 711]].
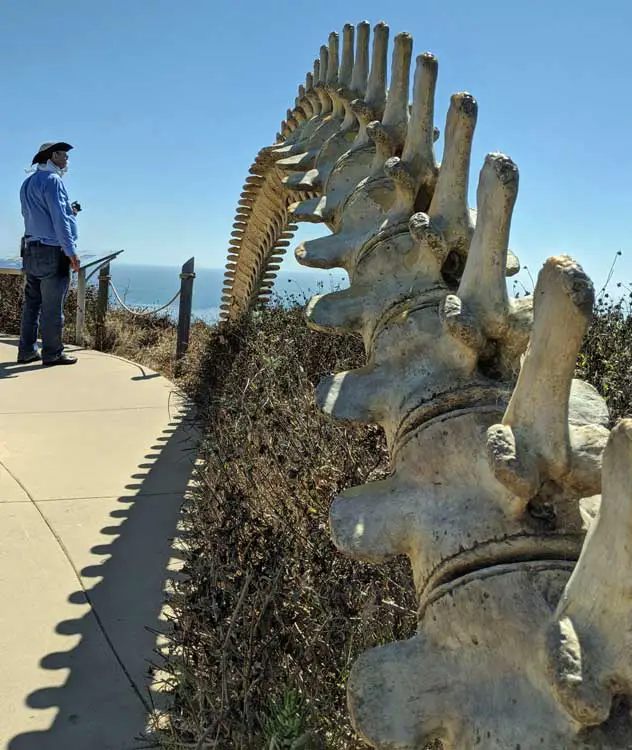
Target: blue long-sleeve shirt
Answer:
[[48, 215]]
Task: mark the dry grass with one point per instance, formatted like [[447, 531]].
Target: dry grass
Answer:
[[10, 302], [270, 617]]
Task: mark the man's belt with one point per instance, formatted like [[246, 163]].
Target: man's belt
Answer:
[[37, 243]]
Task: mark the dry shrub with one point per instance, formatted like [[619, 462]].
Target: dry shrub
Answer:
[[10, 303], [149, 340], [606, 356], [271, 616]]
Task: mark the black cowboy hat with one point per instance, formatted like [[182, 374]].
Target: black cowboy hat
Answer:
[[46, 149]]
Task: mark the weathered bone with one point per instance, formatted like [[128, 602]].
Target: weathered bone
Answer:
[[333, 61], [344, 79], [332, 79], [418, 154], [310, 92], [305, 102], [389, 134], [448, 207], [353, 166], [417, 169], [361, 64], [533, 443], [483, 286], [590, 660], [320, 86], [346, 62], [338, 142], [372, 106]]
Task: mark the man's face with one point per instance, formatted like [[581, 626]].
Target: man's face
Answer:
[[60, 159]]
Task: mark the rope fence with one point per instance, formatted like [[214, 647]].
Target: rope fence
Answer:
[[142, 313], [184, 294]]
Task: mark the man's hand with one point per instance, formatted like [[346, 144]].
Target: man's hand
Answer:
[[75, 263]]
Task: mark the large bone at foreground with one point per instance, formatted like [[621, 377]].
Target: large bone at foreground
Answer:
[[533, 442], [590, 642], [471, 678]]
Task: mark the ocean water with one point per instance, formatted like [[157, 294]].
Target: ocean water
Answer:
[[150, 287]]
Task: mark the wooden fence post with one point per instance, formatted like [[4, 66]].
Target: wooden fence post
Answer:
[[184, 313], [102, 305]]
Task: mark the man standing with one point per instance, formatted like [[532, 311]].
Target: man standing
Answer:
[[49, 254]]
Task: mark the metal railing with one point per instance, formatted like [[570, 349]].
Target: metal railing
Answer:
[[82, 280]]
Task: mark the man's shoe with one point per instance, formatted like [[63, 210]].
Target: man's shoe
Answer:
[[33, 357], [63, 359]]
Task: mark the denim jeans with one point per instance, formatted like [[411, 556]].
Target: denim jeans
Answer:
[[47, 280]]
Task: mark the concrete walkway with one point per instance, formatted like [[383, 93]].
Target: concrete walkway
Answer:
[[95, 460]]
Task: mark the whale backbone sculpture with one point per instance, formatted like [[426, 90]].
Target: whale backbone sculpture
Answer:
[[509, 492]]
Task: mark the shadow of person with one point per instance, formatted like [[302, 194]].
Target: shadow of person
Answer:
[[13, 369]]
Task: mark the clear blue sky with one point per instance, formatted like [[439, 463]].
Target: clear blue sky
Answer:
[[167, 104]]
